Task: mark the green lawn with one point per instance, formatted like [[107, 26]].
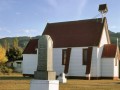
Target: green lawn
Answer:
[[18, 82]]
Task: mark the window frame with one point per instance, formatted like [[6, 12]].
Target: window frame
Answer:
[[84, 62], [64, 56], [19, 64]]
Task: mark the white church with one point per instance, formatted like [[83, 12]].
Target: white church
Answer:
[[81, 49]]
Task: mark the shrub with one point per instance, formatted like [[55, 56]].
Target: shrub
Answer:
[[5, 70]]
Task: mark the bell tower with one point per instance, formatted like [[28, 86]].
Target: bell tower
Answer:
[[103, 10]]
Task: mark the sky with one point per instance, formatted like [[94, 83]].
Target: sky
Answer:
[[29, 17]]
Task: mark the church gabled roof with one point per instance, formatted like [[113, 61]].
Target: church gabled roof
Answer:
[[109, 51], [79, 33], [31, 47], [82, 33]]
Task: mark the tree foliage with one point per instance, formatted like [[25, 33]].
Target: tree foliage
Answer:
[[6, 45], [15, 43], [14, 52], [3, 57], [4, 69]]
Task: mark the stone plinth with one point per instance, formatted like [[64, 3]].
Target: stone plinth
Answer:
[[45, 75], [44, 85]]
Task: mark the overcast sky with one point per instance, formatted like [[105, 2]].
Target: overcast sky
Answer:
[[29, 17]]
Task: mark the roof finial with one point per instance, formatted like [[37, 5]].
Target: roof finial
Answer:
[[117, 42], [30, 37], [103, 10]]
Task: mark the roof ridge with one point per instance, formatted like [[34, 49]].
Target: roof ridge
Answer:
[[75, 21]]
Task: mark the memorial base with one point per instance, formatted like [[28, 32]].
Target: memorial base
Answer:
[[45, 75], [44, 85]]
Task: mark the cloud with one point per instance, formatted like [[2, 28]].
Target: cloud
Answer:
[[4, 32], [61, 10], [28, 32], [80, 6], [71, 8], [113, 27]]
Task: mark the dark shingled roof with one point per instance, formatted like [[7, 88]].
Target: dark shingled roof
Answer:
[[75, 33], [109, 50], [71, 34], [31, 47]]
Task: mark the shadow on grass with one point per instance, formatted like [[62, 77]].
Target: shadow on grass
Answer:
[[117, 83], [15, 78]]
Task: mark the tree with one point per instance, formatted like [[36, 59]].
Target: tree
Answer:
[[3, 57], [14, 52], [15, 43], [6, 45]]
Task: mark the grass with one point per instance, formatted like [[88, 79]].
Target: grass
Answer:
[[14, 81], [91, 85], [17, 82]]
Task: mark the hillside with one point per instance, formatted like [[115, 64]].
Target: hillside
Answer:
[[25, 39], [22, 40], [114, 36]]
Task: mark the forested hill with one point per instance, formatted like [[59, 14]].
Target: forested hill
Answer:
[[114, 36], [25, 39], [22, 41]]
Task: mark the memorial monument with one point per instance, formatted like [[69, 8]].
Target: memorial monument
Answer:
[[44, 77]]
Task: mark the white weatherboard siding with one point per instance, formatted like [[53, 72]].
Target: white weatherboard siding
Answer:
[[100, 50], [116, 68], [99, 63], [107, 67], [29, 63], [57, 60], [93, 70], [103, 38], [75, 67]]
